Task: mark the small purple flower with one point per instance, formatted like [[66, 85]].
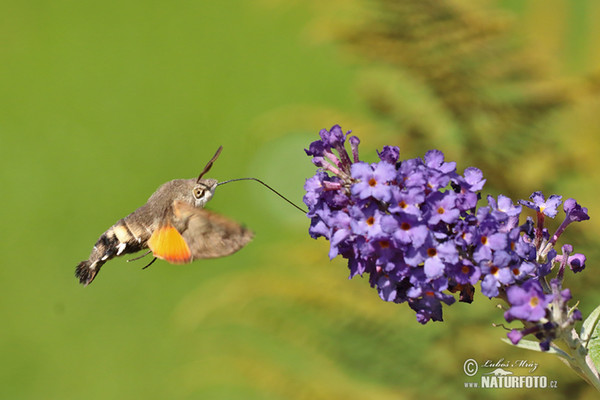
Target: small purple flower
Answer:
[[407, 200], [528, 302], [522, 270], [467, 188], [523, 249], [411, 174], [387, 288], [473, 179], [318, 228], [406, 229], [322, 151], [434, 159], [496, 273], [372, 180], [544, 332], [565, 295], [442, 207], [415, 256], [435, 180], [464, 272], [545, 345], [321, 191], [316, 149], [488, 244], [576, 262], [389, 154], [334, 137], [546, 267], [528, 228], [427, 300], [540, 204], [386, 255], [357, 266], [365, 221], [354, 142], [574, 211], [465, 234], [515, 336], [504, 205], [341, 223], [438, 257], [314, 187]]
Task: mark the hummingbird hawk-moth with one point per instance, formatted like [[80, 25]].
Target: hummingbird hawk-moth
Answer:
[[174, 225]]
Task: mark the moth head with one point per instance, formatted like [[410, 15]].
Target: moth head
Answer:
[[202, 192], [204, 188]]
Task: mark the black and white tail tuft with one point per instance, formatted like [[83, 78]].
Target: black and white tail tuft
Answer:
[[86, 271]]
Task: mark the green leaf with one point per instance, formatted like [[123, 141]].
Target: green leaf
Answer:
[[594, 343], [589, 324], [524, 344], [535, 346]]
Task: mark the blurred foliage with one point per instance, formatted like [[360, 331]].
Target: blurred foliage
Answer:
[[454, 72], [103, 102]]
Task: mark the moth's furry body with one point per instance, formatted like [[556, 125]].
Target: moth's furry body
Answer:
[[173, 225], [110, 245]]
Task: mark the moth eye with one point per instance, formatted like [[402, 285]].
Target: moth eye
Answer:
[[198, 193]]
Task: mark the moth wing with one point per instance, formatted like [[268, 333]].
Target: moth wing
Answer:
[[210, 235], [167, 243]]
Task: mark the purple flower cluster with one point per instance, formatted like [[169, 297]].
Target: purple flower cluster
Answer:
[[545, 315], [414, 228]]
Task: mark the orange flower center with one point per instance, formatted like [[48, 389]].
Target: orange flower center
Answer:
[[534, 301]]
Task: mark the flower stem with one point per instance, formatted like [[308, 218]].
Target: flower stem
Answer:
[[579, 360]]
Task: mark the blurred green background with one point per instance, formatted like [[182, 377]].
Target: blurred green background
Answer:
[[101, 102]]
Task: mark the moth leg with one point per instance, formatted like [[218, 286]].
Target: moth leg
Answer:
[[150, 263], [142, 256]]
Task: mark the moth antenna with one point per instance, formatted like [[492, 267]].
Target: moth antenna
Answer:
[[210, 164], [268, 187], [139, 257], [150, 263]]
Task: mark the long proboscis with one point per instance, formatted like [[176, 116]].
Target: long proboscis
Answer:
[[267, 186], [210, 164]]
